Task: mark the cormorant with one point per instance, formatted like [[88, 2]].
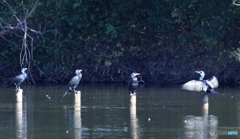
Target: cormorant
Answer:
[[16, 81], [73, 83], [132, 86], [202, 85]]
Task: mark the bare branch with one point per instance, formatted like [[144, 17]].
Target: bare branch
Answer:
[[26, 53], [10, 29], [33, 9], [9, 41]]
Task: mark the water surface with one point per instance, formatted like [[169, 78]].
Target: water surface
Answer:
[[107, 111]]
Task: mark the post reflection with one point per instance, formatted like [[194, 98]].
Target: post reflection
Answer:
[[77, 120], [73, 116], [205, 105], [200, 126], [134, 127], [21, 117]]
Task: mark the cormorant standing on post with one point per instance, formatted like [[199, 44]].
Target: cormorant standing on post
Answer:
[[16, 81], [202, 85], [132, 86], [73, 83]]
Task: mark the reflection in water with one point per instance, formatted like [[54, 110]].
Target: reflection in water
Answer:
[[73, 116], [200, 126], [205, 105], [109, 106], [133, 117], [77, 120], [21, 118]]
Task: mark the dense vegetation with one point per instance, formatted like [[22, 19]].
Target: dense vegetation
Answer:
[[164, 40]]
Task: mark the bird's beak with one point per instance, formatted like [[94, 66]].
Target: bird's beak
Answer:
[[80, 70], [25, 69], [137, 74], [198, 72]]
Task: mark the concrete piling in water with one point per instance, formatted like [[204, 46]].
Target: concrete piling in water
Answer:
[[19, 95], [77, 99]]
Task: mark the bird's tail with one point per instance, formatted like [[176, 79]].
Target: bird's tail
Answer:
[[7, 84], [214, 92], [66, 93]]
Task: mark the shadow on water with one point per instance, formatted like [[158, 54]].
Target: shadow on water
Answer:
[[107, 111]]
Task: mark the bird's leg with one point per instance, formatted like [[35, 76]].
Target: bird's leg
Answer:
[[16, 88], [130, 93], [134, 93], [75, 91]]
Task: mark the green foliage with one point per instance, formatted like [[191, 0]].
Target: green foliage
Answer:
[[108, 33]]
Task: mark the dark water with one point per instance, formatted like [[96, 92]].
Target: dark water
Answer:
[[107, 111]]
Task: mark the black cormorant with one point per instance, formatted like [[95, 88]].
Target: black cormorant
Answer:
[[132, 86], [202, 85], [16, 81], [73, 83]]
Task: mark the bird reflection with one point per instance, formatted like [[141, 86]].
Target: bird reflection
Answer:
[[200, 126], [133, 117], [21, 120]]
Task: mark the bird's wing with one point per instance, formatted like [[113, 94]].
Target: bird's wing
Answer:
[[74, 80], [18, 78], [132, 84], [193, 85], [213, 82]]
